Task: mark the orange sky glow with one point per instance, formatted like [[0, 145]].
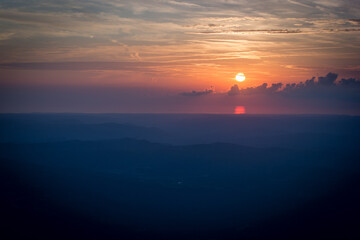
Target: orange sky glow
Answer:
[[176, 46]]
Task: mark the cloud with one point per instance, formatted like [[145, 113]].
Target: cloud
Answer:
[[325, 87], [6, 35], [350, 82], [234, 90], [307, 84], [281, 31], [252, 31], [327, 83], [197, 93], [328, 80], [355, 21], [80, 65], [158, 30], [274, 87], [262, 89]]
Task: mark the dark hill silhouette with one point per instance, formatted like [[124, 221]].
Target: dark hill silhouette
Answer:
[[135, 189], [312, 132], [15, 131], [143, 176]]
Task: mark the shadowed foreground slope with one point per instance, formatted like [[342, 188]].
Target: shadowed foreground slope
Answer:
[[132, 189]]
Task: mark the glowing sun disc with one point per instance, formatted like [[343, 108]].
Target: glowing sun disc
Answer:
[[240, 77]]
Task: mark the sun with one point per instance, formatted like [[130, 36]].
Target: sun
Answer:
[[240, 77]]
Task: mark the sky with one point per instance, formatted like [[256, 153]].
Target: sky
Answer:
[[180, 56]]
